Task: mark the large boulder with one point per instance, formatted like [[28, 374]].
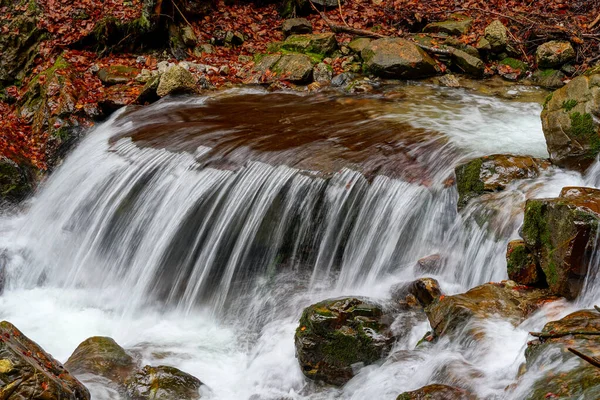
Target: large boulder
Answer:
[[163, 383], [101, 356], [569, 125], [176, 80], [437, 392], [397, 58], [319, 44], [554, 54], [336, 335], [561, 233], [547, 355], [28, 372], [494, 173], [297, 68], [496, 36], [504, 300]]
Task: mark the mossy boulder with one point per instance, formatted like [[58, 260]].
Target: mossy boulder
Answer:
[[28, 372], [554, 54], [458, 26], [496, 36], [397, 58], [437, 392], [101, 356], [16, 181], [423, 290], [505, 300], [337, 335], [561, 233], [512, 69], [571, 131], [176, 80], [163, 383], [494, 173], [297, 68], [522, 266], [319, 44], [546, 356]]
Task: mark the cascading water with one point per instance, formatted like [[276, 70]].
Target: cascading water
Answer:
[[195, 231]]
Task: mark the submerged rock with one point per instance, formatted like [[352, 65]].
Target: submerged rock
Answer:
[[338, 335], [101, 356], [397, 58], [176, 80], [522, 267], [494, 173], [561, 233], [28, 372], [554, 54], [437, 392], [163, 383], [569, 125], [548, 354], [504, 300]]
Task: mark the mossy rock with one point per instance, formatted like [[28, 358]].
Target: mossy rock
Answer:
[[176, 80], [455, 27], [437, 392], [549, 78], [336, 335], [163, 383], [561, 233], [423, 290], [28, 372], [522, 266], [397, 58], [321, 44], [554, 54], [16, 181], [297, 68]]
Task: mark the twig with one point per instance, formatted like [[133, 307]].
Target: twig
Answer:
[[342, 15], [594, 22], [182, 16], [552, 335], [592, 360]]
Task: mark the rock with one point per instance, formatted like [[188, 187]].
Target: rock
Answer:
[[512, 69], [296, 68], [344, 79], [234, 38], [483, 45], [549, 78], [296, 26], [163, 383], [101, 356], [497, 37], [450, 314], [429, 264], [205, 48], [493, 173], [16, 182], [115, 74], [449, 80], [319, 43], [188, 36], [570, 129], [437, 392], [458, 27], [322, 73], [454, 42], [397, 58], [337, 335], [554, 54], [468, 64], [522, 266], [357, 45], [545, 356], [118, 96], [28, 372], [424, 290], [561, 233], [176, 80]]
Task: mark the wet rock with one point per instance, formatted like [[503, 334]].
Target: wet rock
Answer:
[[504, 300], [16, 182], [319, 43], [322, 73], [494, 173], [101, 356], [115, 74], [424, 290], [549, 78], [296, 26], [497, 37], [522, 266], [176, 80], [512, 69], [547, 355], [397, 58], [148, 92], [28, 372], [429, 264], [449, 80], [357, 45], [561, 233], [554, 54], [163, 383], [569, 125], [296, 68], [468, 64], [343, 79], [437, 392], [458, 26], [336, 336]]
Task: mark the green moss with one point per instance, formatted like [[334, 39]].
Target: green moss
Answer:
[[582, 127], [514, 63], [468, 181], [535, 226], [568, 105], [551, 271], [547, 100], [517, 259]]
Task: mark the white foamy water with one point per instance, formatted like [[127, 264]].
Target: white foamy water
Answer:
[[208, 269]]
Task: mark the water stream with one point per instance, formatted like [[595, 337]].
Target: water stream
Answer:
[[194, 232]]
